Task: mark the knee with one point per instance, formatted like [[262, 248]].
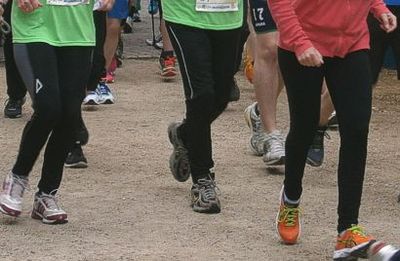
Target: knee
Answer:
[[49, 111], [202, 106], [267, 51]]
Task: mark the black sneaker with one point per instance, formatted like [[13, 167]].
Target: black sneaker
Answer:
[[13, 108], [76, 159], [234, 94], [315, 155], [179, 160], [204, 196]]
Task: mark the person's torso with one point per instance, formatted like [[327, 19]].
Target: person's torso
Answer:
[[339, 25], [205, 14], [57, 22]]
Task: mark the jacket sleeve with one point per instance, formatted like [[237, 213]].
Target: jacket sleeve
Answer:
[[290, 30], [378, 8]]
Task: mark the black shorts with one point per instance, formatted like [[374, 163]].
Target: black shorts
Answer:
[[380, 41], [261, 17]]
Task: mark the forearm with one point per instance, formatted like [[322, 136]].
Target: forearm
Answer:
[[290, 29]]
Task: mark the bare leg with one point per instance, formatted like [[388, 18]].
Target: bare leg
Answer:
[[267, 81], [112, 37], [326, 106]]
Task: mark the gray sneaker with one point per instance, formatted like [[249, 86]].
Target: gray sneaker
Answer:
[[179, 159], [11, 196], [257, 138], [204, 197], [274, 148]]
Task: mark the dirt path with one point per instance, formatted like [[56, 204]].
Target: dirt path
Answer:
[[126, 205]]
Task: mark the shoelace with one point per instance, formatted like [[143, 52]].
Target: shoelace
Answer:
[[289, 216], [357, 230], [276, 142], [18, 186], [50, 200], [103, 89], [169, 62], [11, 103], [209, 187], [319, 139]]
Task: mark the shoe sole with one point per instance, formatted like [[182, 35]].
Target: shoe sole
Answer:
[[313, 163], [275, 162], [276, 224], [91, 102], [247, 118], [346, 254], [107, 102], [13, 116], [58, 221], [78, 165], [176, 169], [9, 211], [214, 209], [168, 76]]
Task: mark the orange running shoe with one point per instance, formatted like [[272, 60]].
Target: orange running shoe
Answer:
[[288, 222], [249, 68], [167, 65], [351, 244]]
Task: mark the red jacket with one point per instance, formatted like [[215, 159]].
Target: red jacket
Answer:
[[333, 27]]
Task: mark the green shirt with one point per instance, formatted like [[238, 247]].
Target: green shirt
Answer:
[[55, 25], [184, 12]]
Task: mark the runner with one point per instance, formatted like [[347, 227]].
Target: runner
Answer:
[[319, 40], [54, 64], [15, 86], [167, 58], [205, 36], [76, 158], [266, 140]]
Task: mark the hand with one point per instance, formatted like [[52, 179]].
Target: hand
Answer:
[[106, 5], [388, 22], [1, 10], [28, 6], [311, 58]]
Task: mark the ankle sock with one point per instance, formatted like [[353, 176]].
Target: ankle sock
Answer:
[[294, 203]]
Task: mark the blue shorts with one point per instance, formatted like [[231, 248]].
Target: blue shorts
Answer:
[[261, 17], [120, 10]]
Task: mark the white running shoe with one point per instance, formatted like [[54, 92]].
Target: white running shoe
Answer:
[[105, 94], [92, 98], [46, 209], [257, 138], [11, 196], [274, 148]]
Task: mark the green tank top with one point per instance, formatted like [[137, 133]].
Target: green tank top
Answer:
[[57, 23], [204, 14]]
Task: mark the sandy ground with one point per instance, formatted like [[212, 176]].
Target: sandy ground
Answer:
[[127, 206]]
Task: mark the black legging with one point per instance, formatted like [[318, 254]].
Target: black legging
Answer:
[[56, 78], [349, 84], [207, 60], [99, 61]]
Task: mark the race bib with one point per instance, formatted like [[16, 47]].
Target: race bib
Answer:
[[68, 2], [217, 5]]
